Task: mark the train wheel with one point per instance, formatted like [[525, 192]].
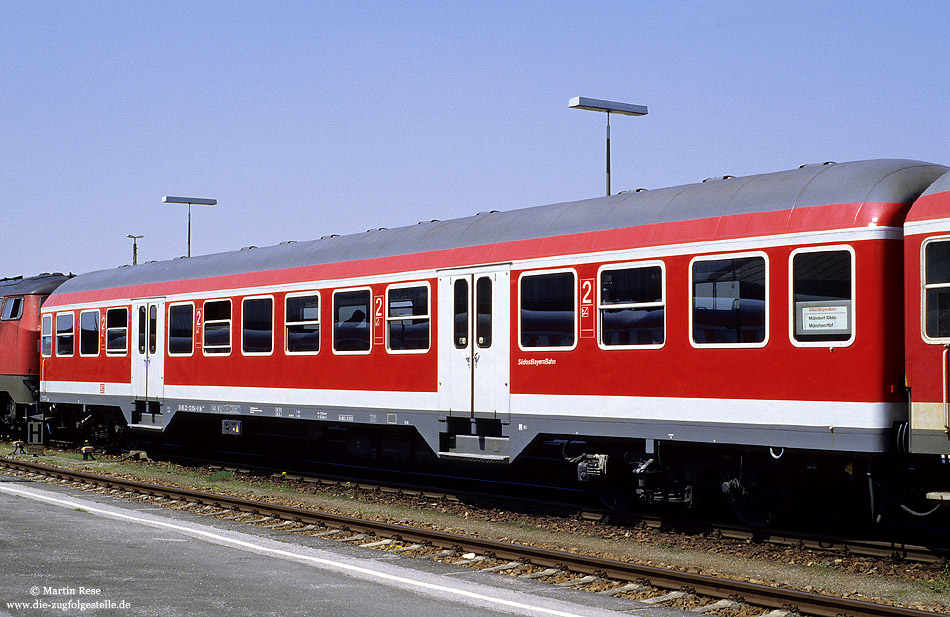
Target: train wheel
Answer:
[[615, 497], [132, 440], [754, 507]]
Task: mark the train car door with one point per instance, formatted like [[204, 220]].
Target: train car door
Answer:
[[474, 339], [148, 360]]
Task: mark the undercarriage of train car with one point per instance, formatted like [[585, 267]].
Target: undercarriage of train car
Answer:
[[66, 424], [759, 485]]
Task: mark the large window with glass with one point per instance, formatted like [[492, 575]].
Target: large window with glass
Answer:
[[117, 331], [181, 329], [548, 310], [257, 326], [217, 327], [407, 318], [351, 330], [729, 301], [302, 323], [937, 289], [89, 333], [632, 307], [65, 337], [822, 296]]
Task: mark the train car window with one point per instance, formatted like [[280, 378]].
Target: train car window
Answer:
[[257, 325], [822, 296], [12, 308], [142, 329], [460, 329], [152, 328], [302, 324], [483, 313], [728, 301], [46, 336], [117, 330], [65, 339], [407, 318], [632, 307], [181, 329], [89, 333], [351, 331], [937, 289], [217, 328], [548, 313]]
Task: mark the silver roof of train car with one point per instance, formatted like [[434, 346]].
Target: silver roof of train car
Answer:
[[941, 185], [888, 181]]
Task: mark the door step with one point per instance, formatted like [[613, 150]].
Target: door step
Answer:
[[478, 448]]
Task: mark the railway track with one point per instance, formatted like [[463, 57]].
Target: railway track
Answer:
[[606, 576], [554, 503]]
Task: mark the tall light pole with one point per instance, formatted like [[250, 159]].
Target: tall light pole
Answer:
[[135, 248], [198, 201], [626, 109]]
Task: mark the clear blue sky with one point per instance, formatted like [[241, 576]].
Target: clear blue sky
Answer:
[[310, 118]]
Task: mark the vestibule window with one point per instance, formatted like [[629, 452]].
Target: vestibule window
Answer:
[[181, 329], [548, 311], [117, 330]]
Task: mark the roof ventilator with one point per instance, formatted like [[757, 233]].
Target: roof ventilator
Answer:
[[817, 164], [713, 179]]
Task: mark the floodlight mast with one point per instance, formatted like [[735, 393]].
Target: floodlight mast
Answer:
[[135, 248], [625, 109], [198, 201]]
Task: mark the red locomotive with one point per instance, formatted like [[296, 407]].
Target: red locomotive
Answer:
[[20, 301]]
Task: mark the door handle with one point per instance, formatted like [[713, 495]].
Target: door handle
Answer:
[[475, 357]]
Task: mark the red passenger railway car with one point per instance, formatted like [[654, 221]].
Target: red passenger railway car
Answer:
[[740, 333]]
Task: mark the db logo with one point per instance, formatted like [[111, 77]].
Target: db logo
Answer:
[[102, 388]]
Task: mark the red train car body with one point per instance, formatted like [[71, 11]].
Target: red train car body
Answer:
[[739, 317]]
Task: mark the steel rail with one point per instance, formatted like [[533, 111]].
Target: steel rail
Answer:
[[805, 603], [882, 548]]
